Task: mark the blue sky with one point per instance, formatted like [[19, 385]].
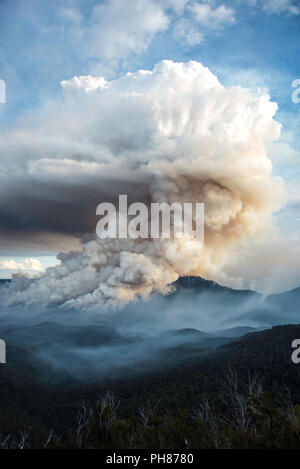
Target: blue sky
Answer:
[[39, 49], [250, 43]]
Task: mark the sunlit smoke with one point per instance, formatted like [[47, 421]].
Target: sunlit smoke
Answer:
[[182, 137]]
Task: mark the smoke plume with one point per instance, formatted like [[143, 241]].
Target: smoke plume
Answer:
[[173, 134]]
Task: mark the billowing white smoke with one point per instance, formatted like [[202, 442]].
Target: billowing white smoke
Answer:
[[183, 137]]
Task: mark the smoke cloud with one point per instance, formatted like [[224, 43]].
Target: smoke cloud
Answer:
[[173, 134]]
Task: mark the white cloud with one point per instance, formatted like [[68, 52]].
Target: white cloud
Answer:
[[281, 6], [289, 7], [28, 264], [177, 5], [184, 31], [210, 17], [118, 28], [70, 13], [199, 18], [83, 83]]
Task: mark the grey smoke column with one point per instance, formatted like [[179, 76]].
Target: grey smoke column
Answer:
[[174, 134]]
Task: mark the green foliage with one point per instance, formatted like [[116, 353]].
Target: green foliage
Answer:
[[254, 418], [196, 402]]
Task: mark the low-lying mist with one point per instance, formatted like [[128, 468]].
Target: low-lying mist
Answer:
[[195, 319]]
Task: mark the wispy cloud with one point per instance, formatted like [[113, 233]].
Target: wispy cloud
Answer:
[[185, 31], [116, 29], [210, 17], [289, 7]]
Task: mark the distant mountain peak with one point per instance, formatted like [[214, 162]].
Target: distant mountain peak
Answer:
[[195, 282]]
